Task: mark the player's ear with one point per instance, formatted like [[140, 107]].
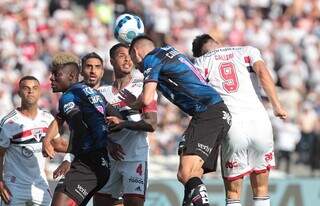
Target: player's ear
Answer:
[[19, 92], [112, 62]]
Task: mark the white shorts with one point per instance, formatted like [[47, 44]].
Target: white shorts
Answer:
[[248, 146], [127, 178], [24, 195]]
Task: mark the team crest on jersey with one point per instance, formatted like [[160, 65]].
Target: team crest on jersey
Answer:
[[68, 107], [37, 134], [100, 109]]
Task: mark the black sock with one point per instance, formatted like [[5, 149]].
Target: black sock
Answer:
[[195, 192]]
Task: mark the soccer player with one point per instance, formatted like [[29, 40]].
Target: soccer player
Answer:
[[22, 168], [129, 172], [179, 81], [84, 109], [233, 72]]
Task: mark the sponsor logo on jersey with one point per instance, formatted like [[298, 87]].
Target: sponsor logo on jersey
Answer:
[[136, 180], [95, 99], [27, 151], [88, 90], [147, 71], [68, 107]]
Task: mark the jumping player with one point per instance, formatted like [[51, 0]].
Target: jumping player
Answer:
[[248, 150], [180, 82]]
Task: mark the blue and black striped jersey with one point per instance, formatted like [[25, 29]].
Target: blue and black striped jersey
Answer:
[[178, 80]]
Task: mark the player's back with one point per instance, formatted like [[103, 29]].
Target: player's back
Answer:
[[229, 70], [178, 80], [92, 106]]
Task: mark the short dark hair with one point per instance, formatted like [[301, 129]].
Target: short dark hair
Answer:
[[198, 43], [24, 78], [112, 51], [91, 55], [138, 38]]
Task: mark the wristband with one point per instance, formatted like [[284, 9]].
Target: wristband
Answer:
[[68, 157]]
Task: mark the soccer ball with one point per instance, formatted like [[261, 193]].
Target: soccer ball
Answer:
[[127, 27]]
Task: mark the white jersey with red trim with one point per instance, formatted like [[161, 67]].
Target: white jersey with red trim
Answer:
[[229, 70], [134, 143], [24, 163]]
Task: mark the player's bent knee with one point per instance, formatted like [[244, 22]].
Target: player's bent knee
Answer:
[[61, 199], [183, 176], [186, 171]]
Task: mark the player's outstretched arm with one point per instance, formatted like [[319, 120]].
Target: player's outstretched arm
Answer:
[[4, 191], [268, 85], [148, 123]]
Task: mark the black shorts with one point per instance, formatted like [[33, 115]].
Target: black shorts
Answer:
[[88, 173], [204, 135]]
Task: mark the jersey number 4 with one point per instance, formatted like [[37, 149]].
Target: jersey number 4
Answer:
[[230, 79], [139, 169]]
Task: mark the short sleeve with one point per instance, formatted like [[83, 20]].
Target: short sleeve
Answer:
[[67, 106], [254, 55], [4, 137], [198, 63], [152, 67]]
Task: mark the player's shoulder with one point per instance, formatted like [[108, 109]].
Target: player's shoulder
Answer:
[[250, 49], [8, 118], [46, 113], [135, 86], [105, 89], [136, 83]]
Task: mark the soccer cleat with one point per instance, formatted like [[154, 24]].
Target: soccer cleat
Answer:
[[197, 197]]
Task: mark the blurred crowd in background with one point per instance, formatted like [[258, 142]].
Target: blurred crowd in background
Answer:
[[287, 32]]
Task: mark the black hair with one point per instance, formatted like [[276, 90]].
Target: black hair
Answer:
[[112, 51], [138, 38], [24, 78], [90, 55], [198, 43]]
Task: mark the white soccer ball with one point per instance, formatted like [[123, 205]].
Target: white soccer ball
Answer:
[[127, 27]]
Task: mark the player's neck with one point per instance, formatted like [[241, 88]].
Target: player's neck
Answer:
[[30, 111], [122, 82]]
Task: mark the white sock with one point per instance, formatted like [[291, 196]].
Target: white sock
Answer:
[[261, 201], [230, 202]]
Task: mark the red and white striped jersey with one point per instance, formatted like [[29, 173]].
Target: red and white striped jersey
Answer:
[[134, 143], [22, 136], [229, 70]]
